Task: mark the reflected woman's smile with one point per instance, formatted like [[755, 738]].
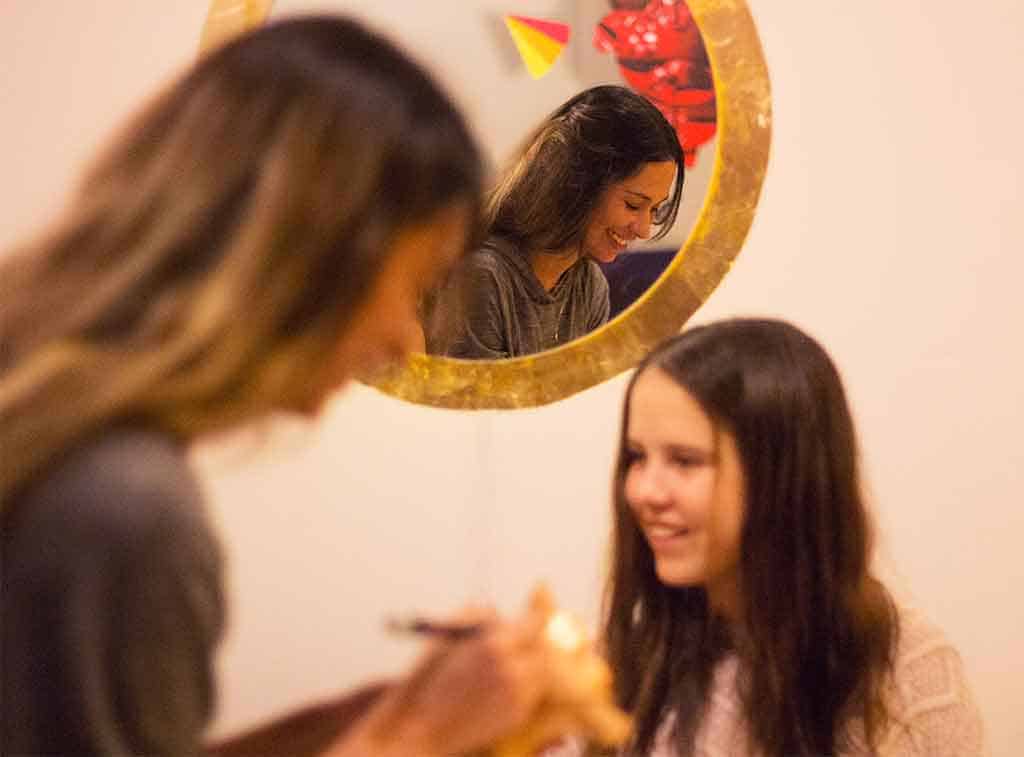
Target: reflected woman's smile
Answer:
[[602, 171], [628, 211]]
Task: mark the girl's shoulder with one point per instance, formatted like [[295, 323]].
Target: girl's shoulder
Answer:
[[933, 705], [917, 630], [924, 653]]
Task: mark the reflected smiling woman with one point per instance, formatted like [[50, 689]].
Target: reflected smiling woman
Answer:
[[605, 169]]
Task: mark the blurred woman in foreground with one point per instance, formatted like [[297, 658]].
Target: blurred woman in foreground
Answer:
[[259, 233]]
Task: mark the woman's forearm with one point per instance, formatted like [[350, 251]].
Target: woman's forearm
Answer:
[[314, 730]]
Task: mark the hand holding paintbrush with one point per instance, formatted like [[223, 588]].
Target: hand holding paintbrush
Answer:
[[578, 699], [570, 690]]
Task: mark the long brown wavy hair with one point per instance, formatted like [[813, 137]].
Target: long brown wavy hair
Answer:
[[218, 249], [817, 632], [598, 138]]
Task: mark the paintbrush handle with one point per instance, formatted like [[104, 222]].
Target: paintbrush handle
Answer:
[[424, 627]]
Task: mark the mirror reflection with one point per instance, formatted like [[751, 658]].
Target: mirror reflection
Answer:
[[509, 301], [603, 171]]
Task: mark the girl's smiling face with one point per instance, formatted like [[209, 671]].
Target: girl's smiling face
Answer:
[[685, 486], [627, 210]]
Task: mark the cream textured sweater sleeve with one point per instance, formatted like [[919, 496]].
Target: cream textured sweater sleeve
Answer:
[[931, 698]]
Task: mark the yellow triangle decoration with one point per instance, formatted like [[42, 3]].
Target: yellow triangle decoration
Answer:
[[538, 51], [228, 18]]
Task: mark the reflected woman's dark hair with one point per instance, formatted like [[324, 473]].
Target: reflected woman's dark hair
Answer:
[[600, 137], [817, 631]]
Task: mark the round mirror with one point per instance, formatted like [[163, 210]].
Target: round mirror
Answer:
[[656, 48]]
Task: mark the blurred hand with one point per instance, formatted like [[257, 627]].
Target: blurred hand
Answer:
[[578, 701], [462, 696], [511, 690]]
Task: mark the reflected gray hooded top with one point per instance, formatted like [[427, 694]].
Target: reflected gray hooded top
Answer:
[[494, 306]]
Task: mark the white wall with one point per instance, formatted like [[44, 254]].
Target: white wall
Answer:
[[889, 227]]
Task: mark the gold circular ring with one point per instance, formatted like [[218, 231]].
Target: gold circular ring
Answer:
[[743, 97]]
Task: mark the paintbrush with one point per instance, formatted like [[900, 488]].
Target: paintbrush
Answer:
[[438, 629]]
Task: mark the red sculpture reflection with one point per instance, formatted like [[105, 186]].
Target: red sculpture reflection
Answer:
[[661, 55]]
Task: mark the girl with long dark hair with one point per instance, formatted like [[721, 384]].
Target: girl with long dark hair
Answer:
[[742, 617]]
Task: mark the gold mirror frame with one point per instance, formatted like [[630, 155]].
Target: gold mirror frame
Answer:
[[741, 159]]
